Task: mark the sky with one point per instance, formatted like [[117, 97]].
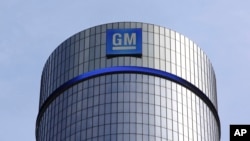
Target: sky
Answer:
[[30, 30]]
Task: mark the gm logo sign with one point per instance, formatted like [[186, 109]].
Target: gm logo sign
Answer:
[[124, 42]]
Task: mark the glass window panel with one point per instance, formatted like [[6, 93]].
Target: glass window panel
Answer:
[[139, 25], [163, 93], [174, 103], [145, 108], [163, 112], [132, 128], [151, 119], [108, 98], [157, 120], [132, 87], [150, 62], [107, 108], [121, 25], [158, 132], [96, 110], [132, 97], [139, 107], [145, 52], [151, 130], [114, 61], [156, 39], [120, 97], [139, 128], [150, 50], [114, 87], [162, 30], [167, 43], [157, 63], [156, 29], [126, 117], [150, 38], [102, 99], [120, 107], [145, 78], [107, 129], [157, 91], [139, 118], [144, 37], [113, 129], [175, 136], [145, 27], [132, 107], [95, 121], [162, 53], [178, 59], [120, 117], [145, 129], [103, 38], [109, 63], [132, 117], [162, 40], [121, 60], [180, 110], [127, 25], [145, 88], [114, 105], [170, 134], [150, 28], [169, 114], [92, 41], [126, 128], [172, 34], [127, 60], [172, 45], [173, 59], [151, 99], [86, 42], [168, 55], [127, 97], [89, 133], [89, 122], [126, 107], [126, 86], [126, 77], [138, 86]]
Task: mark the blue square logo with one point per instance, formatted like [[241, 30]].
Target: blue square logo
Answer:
[[124, 42]]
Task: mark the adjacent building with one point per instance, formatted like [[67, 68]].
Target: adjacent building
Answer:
[[128, 81]]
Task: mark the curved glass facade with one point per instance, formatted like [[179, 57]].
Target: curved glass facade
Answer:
[[128, 106]]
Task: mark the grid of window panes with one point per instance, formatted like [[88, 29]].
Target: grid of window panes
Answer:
[[128, 107], [163, 49], [69, 118]]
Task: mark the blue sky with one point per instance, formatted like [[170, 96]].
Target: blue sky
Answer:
[[30, 30]]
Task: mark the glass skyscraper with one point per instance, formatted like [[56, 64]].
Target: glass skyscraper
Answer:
[[128, 81]]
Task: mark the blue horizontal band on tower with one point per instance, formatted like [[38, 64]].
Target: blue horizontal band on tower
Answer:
[[129, 69]]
